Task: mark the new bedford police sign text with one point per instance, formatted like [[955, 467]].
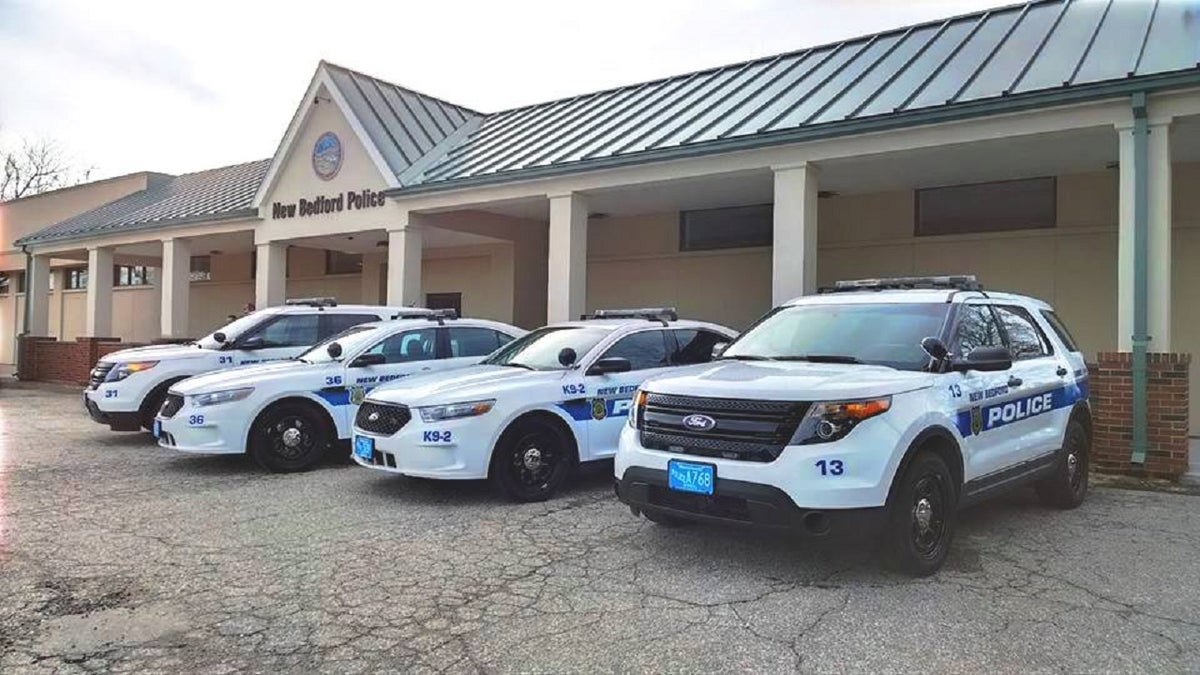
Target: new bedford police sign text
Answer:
[[347, 201]]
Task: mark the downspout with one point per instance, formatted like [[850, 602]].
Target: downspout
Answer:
[[1141, 293]]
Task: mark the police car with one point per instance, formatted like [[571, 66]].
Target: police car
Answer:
[[531, 411], [126, 388], [288, 414], [882, 405]]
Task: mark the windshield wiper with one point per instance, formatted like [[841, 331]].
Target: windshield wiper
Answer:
[[745, 357], [822, 358], [514, 364]]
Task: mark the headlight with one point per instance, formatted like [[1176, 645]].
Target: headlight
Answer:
[[437, 413], [124, 370], [635, 410], [831, 421], [213, 398]]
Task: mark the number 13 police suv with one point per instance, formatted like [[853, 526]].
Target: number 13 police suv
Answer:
[[535, 408], [880, 406]]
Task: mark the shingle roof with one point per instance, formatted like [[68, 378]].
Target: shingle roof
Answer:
[[1011, 52], [214, 194]]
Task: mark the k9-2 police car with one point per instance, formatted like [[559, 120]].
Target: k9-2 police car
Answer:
[[126, 388], [531, 411], [877, 404], [287, 414]]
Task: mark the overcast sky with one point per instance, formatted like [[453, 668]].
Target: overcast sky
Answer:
[[176, 87]]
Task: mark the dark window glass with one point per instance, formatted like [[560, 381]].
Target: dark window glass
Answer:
[[336, 323], [1060, 329], [1025, 339], [20, 282], [542, 349], [444, 301], [77, 278], [5, 283], [292, 330], [987, 207], [201, 268], [977, 327], [337, 262], [694, 346], [475, 341], [737, 227], [646, 349], [131, 275], [409, 346]]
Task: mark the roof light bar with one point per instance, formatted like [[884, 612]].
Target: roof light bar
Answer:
[[438, 315], [663, 314], [311, 302], [957, 282]]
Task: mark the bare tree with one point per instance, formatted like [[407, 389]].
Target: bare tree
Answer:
[[35, 166]]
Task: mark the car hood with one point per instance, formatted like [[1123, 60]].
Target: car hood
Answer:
[[465, 384], [787, 381], [156, 353], [245, 376]]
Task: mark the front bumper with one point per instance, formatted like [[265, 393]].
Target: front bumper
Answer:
[[740, 503], [210, 430], [115, 419], [450, 450]]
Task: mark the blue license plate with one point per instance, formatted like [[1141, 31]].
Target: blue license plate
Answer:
[[157, 428], [691, 477], [364, 447]]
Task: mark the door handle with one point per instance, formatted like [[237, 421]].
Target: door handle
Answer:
[[1014, 381], [1062, 372]]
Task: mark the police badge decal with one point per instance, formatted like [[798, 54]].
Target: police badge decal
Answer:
[[599, 409], [976, 420]]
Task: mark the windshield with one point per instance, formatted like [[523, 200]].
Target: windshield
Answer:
[[539, 350], [352, 340], [231, 330], [878, 334]]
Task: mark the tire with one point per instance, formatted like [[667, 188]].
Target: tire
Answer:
[[289, 437], [1067, 487], [152, 404], [921, 517], [532, 461], [664, 519]]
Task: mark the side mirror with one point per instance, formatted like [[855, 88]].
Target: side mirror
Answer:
[[219, 337], [985, 359], [252, 342], [719, 349], [611, 364], [935, 348], [567, 357], [334, 350], [364, 360]]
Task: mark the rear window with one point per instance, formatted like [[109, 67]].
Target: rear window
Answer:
[[1060, 329]]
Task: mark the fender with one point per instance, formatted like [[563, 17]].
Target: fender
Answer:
[[303, 395], [947, 439], [580, 443]]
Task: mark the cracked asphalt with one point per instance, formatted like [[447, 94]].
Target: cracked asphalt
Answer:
[[118, 555]]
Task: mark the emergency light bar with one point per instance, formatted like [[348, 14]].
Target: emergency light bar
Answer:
[[663, 314], [311, 302], [959, 282], [438, 315]]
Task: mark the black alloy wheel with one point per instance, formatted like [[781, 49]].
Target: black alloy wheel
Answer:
[[1067, 487], [289, 438], [532, 461], [921, 517]]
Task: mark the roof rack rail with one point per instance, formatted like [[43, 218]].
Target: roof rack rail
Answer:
[[311, 302], [663, 314], [956, 282], [439, 315]]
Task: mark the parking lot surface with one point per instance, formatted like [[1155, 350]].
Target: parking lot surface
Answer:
[[116, 554]]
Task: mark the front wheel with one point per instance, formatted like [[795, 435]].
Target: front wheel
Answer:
[[1067, 487], [532, 461], [921, 517], [289, 438]]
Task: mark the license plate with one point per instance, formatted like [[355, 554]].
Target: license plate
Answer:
[[691, 477], [364, 447], [157, 428]]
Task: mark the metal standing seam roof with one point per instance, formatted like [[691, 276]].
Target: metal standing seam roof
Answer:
[[214, 194], [1012, 52]]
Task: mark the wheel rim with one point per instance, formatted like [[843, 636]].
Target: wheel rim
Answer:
[[292, 437], [1076, 463], [928, 514], [534, 461]]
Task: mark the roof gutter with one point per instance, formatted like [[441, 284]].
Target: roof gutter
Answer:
[[962, 111], [1141, 287], [239, 214]]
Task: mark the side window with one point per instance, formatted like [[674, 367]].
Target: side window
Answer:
[[289, 330], [336, 323], [1025, 339], [474, 341], [409, 346], [647, 349], [694, 346], [1060, 329], [976, 328]]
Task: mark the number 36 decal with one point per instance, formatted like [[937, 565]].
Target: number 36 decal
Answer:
[[832, 467]]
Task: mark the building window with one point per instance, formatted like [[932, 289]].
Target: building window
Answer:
[[201, 268], [77, 278], [987, 207], [337, 262], [131, 275], [6, 281], [736, 227]]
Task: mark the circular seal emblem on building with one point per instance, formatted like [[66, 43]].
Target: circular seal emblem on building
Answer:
[[327, 156]]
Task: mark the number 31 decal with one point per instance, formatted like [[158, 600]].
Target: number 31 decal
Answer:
[[832, 467]]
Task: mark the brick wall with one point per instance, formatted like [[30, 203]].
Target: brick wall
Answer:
[[46, 359], [1111, 387]]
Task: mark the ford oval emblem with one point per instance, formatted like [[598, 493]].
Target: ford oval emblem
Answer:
[[699, 422], [373, 417]]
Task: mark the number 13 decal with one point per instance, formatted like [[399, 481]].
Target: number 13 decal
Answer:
[[832, 467]]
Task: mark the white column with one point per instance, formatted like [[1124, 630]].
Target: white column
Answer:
[[37, 295], [372, 272], [59, 277], [99, 293], [405, 249], [270, 275], [1125, 218], [794, 248], [176, 287], [566, 296]]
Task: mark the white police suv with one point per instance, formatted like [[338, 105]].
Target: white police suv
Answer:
[[531, 411], [126, 388], [876, 404], [287, 414]]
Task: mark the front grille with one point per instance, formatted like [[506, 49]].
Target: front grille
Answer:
[[171, 405], [719, 506], [381, 458], [384, 420], [99, 372], [755, 431]]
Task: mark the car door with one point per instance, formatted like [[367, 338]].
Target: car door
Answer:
[[406, 353], [1036, 384], [971, 394], [467, 345], [611, 394], [280, 337]]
